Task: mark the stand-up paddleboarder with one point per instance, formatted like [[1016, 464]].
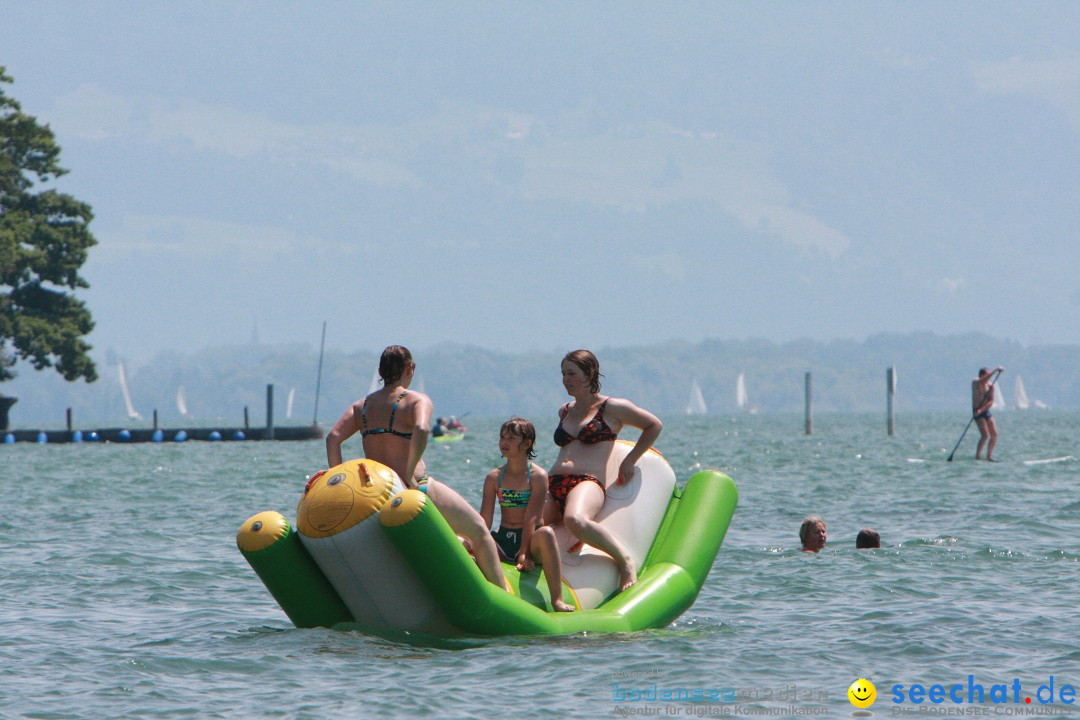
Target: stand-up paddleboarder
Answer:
[[982, 399]]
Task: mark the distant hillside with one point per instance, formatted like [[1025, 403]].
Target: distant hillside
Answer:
[[933, 371]]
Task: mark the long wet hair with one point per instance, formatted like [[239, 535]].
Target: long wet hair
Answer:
[[589, 365], [522, 428], [395, 359]]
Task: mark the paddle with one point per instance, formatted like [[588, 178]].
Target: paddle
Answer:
[[996, 372]]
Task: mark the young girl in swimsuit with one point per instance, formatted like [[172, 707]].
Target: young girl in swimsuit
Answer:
[[394, 423], [586, 436], [520, 487]]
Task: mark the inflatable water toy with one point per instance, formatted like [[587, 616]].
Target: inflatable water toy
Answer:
[[368, 553]]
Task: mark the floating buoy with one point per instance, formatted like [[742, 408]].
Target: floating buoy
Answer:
[[239, 435], [181, 436], [215, 435], [9, 439], [158, 436], [42, 438], [76, 437], [124, 435], [93, 436]]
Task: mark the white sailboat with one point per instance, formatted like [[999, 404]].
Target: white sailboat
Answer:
[[1021, 395], [289, 403], [999, 399], [132, 413], [181, 402], [696, 404], [742, 400]]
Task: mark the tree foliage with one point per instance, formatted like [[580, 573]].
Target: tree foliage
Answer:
[[44, 240]]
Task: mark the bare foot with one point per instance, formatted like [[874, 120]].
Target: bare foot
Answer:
[[560, 606], [627, 577]]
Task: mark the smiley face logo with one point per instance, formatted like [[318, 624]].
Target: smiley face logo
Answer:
[[862, 693]]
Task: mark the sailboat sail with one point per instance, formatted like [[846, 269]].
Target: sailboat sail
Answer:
[[696, 404], [999, 399], [1021, 395], [289, 403], [132, 414], [741, 398], [181, 402], [375, 379]]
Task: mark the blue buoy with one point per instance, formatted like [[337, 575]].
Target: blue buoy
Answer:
[[239, 435], [124, 435], [181, 436], [93, 436], [76, 437], [42, 438], [9, 439], [158, 436], [215, 435]]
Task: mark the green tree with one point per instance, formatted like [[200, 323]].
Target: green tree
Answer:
[[44, 240]]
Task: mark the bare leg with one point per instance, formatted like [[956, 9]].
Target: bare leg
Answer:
[[991, 426], [545, 551], [983, 434], [465, 521], [582, 506]]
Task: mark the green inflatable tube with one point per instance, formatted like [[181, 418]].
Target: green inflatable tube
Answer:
[[668, 582], [273, 549]]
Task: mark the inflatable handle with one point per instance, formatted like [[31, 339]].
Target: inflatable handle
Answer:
[[274, 551]]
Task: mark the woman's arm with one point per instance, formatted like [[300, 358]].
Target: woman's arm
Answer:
[[420, 431], [630, 414], [343, 429]]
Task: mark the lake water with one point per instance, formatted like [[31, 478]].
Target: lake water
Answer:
[[122, 593]]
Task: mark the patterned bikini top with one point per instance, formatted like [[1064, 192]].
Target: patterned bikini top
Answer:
[[596, 430], [364, 432], [513, 498]]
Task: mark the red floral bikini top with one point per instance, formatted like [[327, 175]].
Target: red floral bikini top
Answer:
[[596, 430]]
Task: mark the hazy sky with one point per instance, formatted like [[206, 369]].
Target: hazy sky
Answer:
[[553, 175]]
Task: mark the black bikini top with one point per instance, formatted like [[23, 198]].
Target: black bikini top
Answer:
[[594, 431], [364, 432]]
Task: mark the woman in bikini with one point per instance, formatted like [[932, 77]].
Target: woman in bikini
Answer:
[[588, 427], [520, 487], [394, 423]]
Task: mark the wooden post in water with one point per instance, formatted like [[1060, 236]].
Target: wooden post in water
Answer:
[[890, 392], [270, 412], [69, 419], [809, 405], [155, 419], [247, 423]]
